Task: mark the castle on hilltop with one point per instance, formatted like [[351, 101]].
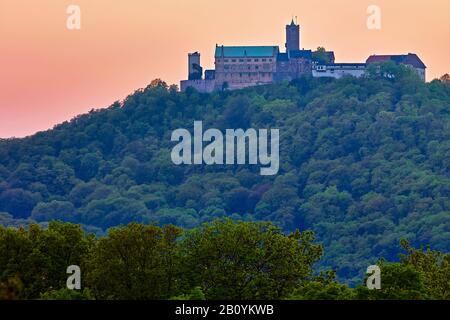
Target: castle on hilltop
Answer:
[[237, 67]]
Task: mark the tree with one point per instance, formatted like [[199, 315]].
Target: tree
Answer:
[[445, 78], [158, 83], [11, 288], [37, 259], [323, 287], [57, 210], [321, 55], [135, 262], [222, 260], [67, 294], [18, 202], [398, 282], [194, 294], [393, 72], [89, 165], [434, 267], [235, 114], [247, 260]]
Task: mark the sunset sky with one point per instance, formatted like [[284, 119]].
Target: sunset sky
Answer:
[[49, 74]]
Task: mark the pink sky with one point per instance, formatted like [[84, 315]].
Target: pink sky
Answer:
[[49, 74]]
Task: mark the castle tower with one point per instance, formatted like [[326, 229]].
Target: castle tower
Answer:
[[195, 70], [292, 36]]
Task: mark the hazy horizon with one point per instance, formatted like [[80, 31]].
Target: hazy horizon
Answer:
[[50, 74]]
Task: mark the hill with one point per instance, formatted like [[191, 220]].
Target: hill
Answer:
[[363, 163]]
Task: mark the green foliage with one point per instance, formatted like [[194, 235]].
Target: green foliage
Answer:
[[434, 268], [135, 262], [364, 163], [419, 275], [67, 294], [321, 55], [222, 259], [11, 289], [393, 72], [315, 290], [57, 210], [399, 282], [247, 260], [34, 260], [194, 294], [322, 287]]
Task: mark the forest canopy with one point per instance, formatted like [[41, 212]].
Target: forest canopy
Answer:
[[364, 163], [220, 260]]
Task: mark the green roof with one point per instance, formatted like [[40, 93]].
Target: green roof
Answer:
[[246, 51]]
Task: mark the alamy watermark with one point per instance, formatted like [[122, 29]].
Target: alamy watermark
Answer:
[[73, 21], [241, 147], [374, 18], [374, 279], [74, 280]]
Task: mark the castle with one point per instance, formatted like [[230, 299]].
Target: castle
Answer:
[[237, 67]]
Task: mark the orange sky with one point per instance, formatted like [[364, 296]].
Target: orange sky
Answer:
[[49, 74]]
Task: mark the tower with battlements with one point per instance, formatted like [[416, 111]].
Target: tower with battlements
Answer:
[[292, 37]]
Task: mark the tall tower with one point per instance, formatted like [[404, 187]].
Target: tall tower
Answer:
[[195, 70], [292, 36]]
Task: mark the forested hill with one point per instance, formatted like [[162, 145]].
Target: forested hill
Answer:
[[363, 163]]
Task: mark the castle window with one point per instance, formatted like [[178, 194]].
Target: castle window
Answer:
[[226, 60], [241, 60], [264, 60], [233, 60], [256, 60]]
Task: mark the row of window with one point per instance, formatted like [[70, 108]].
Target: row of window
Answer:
[[320, 67], [247, 74], [338, 71], [245, 60], [257, 67]]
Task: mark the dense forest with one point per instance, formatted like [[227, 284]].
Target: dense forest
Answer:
[[220, 260], [364, 163]]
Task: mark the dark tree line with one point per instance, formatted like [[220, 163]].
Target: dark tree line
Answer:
[[222, 259]]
